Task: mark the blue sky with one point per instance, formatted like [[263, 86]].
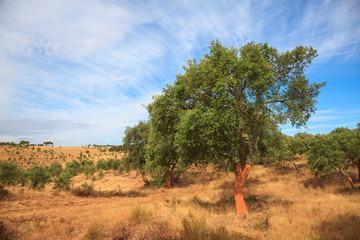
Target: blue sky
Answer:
[[79, 72]]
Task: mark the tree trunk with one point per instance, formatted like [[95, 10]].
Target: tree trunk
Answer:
[[296, 166], [359, 170], [168, 179], [266, 163], [239, 186], [346, 174], [351, 182]]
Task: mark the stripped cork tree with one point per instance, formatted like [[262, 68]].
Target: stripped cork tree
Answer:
[[232, 97]]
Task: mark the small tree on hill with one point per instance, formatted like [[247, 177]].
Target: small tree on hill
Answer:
[[55, 169], [135, 141]]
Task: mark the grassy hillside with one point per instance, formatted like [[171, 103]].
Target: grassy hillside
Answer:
[[282, 205]]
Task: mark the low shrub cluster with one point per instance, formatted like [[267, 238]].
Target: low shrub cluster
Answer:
[[88, 191]]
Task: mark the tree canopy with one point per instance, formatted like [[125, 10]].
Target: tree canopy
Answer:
[[223, 105]]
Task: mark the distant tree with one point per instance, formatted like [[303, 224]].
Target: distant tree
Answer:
[[73, 168], [55, 169], [135, 141], [24, 143], [331, 152], [89, 170], [162, 157], [63, 181], [102, 164], [48, 144]]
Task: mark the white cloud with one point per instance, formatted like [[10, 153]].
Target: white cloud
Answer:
[[96, 62]]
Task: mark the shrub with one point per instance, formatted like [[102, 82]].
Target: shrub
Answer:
[[196, 228], [55, 169], [139, 216], [102, 164], [63, 181], [101, 174], [8, 173], [89, 170], [262, 222], [38, 176], [93, 232]]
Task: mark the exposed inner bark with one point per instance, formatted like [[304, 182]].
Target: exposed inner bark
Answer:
[[351, 182], [239, 186], [168, 179]]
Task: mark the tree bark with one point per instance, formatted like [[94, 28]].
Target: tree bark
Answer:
[[239, 186], [346, 174], [351, 182], [359, 170], [168, 179], [296, 166]]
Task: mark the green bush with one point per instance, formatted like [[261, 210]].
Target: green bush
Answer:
[[55, 169], [38, 176], [63, 181], [9, 173]]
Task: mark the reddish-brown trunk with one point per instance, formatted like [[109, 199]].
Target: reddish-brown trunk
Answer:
[[228, 169], [266, 162], [239, 186], [168, 179], [351, 182]]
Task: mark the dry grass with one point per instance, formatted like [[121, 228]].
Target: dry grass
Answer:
[[26, 157], [282, 205]]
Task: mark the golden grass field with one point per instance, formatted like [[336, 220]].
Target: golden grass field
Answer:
[[282, 205]]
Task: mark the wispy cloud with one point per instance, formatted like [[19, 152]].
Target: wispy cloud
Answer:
[[96, 62]]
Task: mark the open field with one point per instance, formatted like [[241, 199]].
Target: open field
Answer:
[[282, 205]]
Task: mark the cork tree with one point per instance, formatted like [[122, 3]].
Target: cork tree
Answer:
[[232, 97]]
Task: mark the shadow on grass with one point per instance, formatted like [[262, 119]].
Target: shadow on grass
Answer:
[[341, 227], [314, 182], [349, 190], [254, 203]]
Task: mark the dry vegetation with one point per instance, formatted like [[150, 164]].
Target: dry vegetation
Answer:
[[28, 156], [282, 204]]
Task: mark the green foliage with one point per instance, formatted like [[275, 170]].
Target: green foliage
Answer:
[[38, 176], [335, 151], [114, 163], [101, 174], [224, 105], [325, 155], [9, 172], [73, 168], [55, 169], [134, 146], [63, 181], [102, 164]]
